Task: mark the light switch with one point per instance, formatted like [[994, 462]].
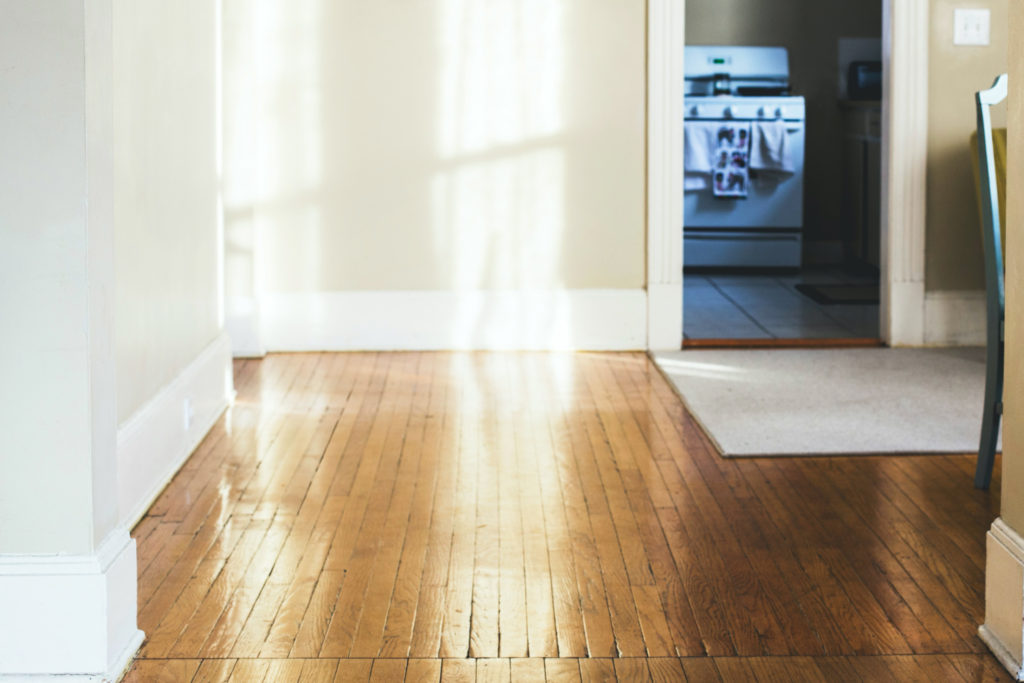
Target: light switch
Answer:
[[971, 26]]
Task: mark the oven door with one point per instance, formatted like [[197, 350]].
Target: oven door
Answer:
[[762, 230], [777, 204]]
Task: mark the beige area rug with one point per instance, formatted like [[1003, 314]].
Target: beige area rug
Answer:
[[833, 401]]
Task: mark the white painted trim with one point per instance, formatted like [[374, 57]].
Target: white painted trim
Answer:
[[905, 119], [905, 26], [666, 27], [954, 318], [582, 319], [1001, 653], [71, 617], [153, 443], [1003, 630], [242, 324]]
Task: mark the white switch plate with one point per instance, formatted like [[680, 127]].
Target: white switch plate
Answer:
[[971, 26]]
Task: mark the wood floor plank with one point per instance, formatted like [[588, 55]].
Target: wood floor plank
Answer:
[[353, 670], [214, 671], [459, 588], [632, 670], [493, 671], [484, 626], [700, 670], [562, 670], [423, 670], [597, 670], [318, 670], [666, 670], [513, 638], [524, 669], [531, 516], [369, 634], [398, 629], [388, 670], [313, 628], [458, 671], [163, 671], [569, 438], [249, 671]]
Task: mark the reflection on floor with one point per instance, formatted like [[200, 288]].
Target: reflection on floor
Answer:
[[759, 306]]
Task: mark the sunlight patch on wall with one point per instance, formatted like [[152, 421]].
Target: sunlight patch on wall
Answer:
[[502, 73], [498, 203]]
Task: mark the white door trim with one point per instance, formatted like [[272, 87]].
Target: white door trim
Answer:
[[666, 23], [905, 119], [905, 26]]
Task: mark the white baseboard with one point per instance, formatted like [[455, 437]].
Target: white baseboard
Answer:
[[242, 324], [665, 317], [584, 319], [69, 618], [903, 313], [154, 442], [1003, 630], [955, 318]]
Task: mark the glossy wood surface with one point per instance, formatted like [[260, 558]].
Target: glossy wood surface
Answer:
[[434, 516]]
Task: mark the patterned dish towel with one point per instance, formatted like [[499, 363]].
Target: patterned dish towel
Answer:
[[731, 176]]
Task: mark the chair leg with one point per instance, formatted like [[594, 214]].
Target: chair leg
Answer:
[[991, 418]]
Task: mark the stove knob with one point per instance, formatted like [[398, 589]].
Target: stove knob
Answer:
[[728, 112], [762, 112], [694, 110], [778, 113]]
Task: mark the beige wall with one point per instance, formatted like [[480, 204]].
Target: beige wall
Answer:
[[436, 144], [1012, 500], [165, 211], [810, 29], [953, 256]]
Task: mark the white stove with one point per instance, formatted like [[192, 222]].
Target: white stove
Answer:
[[744, 89]]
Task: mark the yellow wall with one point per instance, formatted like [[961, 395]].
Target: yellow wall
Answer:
[[810, 29], [437, 144], [165, 189], [954, 259]]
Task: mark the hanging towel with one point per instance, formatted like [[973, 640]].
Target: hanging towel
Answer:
[[731, 175], [769, 149], [699, 153]]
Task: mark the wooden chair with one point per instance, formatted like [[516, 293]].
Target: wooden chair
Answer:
[[992, 236]]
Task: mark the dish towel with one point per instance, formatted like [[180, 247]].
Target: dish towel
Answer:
[[731, 176], [699, 153], [769, 149]]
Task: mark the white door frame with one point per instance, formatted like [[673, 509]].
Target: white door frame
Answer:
[[905, 26]]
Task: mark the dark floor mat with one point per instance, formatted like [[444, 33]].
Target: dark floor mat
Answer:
[[840, 294]]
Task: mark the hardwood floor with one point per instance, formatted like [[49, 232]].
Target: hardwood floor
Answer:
[[480, 516]]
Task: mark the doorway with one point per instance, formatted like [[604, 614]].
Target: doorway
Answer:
[[903, 118], [782, 173]]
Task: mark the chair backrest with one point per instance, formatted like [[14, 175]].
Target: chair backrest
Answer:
[[991, 227]]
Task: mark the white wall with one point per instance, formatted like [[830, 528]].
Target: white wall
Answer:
[[173, 363], [54, 294], [439, 145], [166, 214]]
